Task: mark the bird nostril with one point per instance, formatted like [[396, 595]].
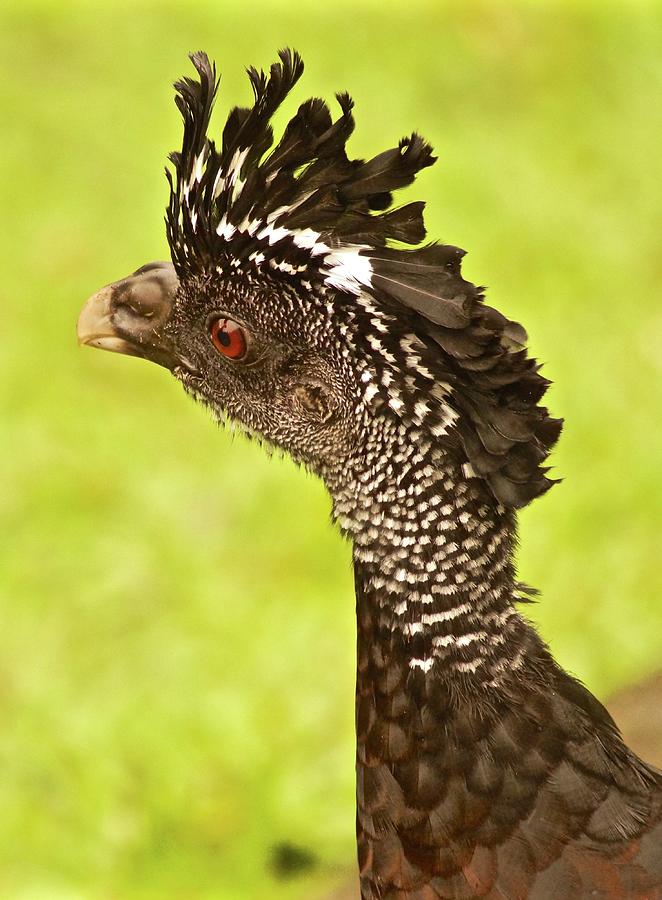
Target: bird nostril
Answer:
[[127, 318], [142, 298], [134, 309]]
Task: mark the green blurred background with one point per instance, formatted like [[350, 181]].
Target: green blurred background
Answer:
[[176, 635]]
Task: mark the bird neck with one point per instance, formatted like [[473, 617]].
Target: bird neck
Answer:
[[433, 563]]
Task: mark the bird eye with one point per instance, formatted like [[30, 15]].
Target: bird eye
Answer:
[[229, 338]]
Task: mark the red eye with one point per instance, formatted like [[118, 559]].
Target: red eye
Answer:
[[229, 338]]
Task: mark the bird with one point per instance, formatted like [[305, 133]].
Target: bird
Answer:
[[304, 306]]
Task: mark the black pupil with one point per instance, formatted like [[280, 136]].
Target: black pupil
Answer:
[[224, 336]]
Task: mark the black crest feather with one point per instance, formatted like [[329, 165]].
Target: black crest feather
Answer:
[[302, 211], [221, 200]]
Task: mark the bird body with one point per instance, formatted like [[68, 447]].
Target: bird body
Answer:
[[294, 308]]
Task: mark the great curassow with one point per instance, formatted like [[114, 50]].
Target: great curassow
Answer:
[[294, 308]]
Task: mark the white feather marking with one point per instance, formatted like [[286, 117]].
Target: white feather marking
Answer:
[[283, 266], [424, 664], [225, 229], [308, 239], [378, 325], [446, 615], [414, 362], [440, 390], [470, 666], [198, 167], [236, 163], [438, 430], [347, 270], [370, 392], [216, 190], [283, 210], [273, 235]]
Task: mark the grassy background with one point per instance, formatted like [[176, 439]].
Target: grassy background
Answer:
[[176, 640]]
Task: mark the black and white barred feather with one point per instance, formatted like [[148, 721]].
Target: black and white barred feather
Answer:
[[304, 213]]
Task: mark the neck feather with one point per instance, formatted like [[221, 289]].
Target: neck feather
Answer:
[[471, 742], [433, 561]]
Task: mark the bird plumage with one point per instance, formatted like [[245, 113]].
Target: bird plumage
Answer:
[[304, 213], [483, 769]]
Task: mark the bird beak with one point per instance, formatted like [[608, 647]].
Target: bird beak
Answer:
[[129, 316]]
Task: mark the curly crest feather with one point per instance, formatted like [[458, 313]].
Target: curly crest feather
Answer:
[[305, 214]]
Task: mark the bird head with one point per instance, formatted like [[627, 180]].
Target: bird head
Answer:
[[300, 305]]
